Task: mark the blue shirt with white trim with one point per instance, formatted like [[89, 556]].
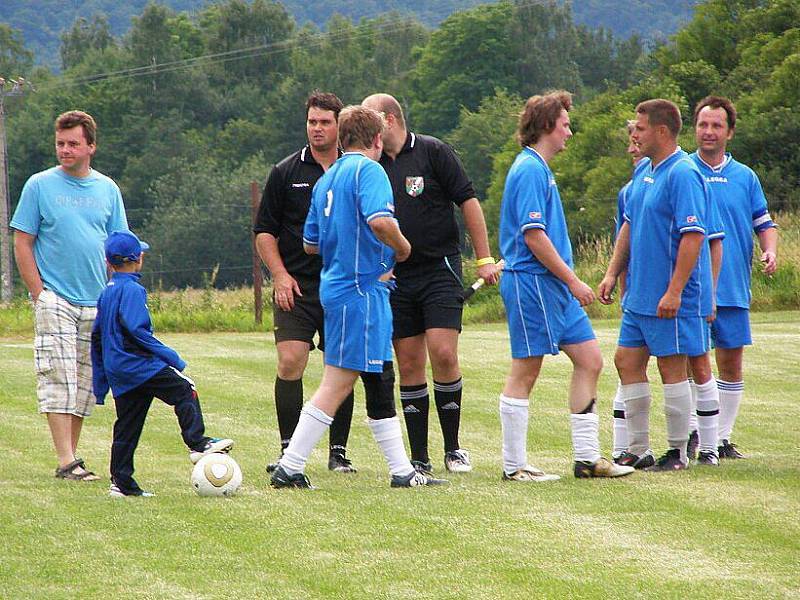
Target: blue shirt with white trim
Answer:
[[353, 192], [736, 192], [531, 201], [664, 203]]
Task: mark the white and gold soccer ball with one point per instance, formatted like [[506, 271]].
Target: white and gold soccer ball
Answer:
[[216, 475]]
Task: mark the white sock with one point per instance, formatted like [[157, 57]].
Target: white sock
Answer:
[[310, 428], [677, 399], [636, 397], [708, 415], [620, 430], [514, 421], [585, 436], [693, 407], [730, 396], [389, 436]]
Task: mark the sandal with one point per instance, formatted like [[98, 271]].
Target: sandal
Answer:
[[68, 472]]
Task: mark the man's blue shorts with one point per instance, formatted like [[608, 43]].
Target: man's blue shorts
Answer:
[[665, 337], [542, 314], [731, 328], [358, 334]]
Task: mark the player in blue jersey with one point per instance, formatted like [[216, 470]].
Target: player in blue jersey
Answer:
[[663, 244], [351, 225], [736, 190], [544, 297]]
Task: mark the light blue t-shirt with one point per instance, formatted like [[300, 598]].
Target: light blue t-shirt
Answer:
[[353, 192], [663, 204], [531, 201], [736, 192], [71, 218]]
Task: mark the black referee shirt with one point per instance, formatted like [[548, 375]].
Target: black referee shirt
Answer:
[[283, 210], [427, 179]]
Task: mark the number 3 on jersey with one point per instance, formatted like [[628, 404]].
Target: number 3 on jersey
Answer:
[[327, 210]]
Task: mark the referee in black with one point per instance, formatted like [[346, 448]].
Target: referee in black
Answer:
[[297, 312], [428, 179]]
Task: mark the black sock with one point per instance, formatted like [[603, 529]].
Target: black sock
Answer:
[[416, 405], [340, 428], [288, 403], [448, 405]]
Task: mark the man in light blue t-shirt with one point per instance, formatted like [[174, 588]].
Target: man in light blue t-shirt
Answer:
[[62, 220]]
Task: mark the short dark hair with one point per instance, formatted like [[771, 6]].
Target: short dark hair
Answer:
[[717, 102], [324, 101], [358, 126], [540, 115], [75, 118], [662, 112]]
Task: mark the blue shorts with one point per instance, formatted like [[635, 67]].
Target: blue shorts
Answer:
[[358, 334], [542, 314], [731, 328], [665, 337]]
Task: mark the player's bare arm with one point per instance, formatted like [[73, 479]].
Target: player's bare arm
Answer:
[[476, 227], [618, 264], [768, 241], [284, 285], [715, 248], [688, 252], [544, 251], [387, 230], [26, 263]]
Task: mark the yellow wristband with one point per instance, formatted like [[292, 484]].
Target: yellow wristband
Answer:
[[489, 260]]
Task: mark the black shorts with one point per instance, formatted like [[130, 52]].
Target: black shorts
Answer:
[[428, 295], [302, 322]]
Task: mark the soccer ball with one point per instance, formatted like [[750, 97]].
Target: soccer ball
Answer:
[[216, 475]]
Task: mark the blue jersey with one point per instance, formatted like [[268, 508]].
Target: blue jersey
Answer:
[[531, 201], [354, 191], [664, 203], [622, 196], [71, 218], [736, 192]]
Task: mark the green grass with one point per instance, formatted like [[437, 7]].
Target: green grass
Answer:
[[731, 532]]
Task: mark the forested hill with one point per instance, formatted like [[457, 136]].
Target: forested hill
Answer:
[[42, 21]]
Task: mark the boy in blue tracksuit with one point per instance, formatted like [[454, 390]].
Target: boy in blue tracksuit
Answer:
[[129, 360]]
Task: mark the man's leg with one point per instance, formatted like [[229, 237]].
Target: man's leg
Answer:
[[292, 361], [677, 400], [731, 391], [411, 357], [631, 363], [705, 405], [514, 412]]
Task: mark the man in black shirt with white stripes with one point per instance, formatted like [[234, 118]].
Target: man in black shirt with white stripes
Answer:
[[427, 180]]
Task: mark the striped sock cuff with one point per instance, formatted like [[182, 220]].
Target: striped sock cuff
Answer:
[[413, 392], [730, 386], [453, 386]]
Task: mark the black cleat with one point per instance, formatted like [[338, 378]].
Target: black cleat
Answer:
[[425, 468], [707, 458], [691, 447], [628, 459], [415, 479], [671, 461], [281, 479], [272, 466], [728, 450], [338, 463]]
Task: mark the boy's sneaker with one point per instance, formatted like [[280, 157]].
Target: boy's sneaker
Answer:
[[457, 461], [415, 479], [529, 473], [728, 450], [629, 459], [115, 492], [691, 447], [602, 467], [424, 468], [210, 446], [281, 479], [707, 458], [670, 461], [339, 464]]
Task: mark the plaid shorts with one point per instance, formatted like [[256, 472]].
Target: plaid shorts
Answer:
[[62, 355]]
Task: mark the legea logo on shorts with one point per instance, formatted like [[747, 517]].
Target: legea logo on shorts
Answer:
[[375, 361]]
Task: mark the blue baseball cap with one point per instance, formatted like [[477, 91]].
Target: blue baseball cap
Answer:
[[124, 246]]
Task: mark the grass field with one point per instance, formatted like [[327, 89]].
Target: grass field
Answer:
[[731, 532]]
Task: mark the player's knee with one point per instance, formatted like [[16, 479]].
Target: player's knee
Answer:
[[291, 366], [444, 360]]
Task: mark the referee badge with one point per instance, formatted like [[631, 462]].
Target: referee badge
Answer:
[[415, 186]]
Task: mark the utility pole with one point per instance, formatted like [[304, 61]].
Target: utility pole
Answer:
[[8, 87]]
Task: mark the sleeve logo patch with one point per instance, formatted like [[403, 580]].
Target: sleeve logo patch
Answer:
[[691, 219], [535, 215], [415, 186]]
